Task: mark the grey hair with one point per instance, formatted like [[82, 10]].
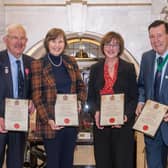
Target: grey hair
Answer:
[[14, 26]]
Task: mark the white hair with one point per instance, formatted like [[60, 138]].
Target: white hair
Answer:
[[14, 26]]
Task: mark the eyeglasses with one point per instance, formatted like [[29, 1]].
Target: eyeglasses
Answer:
[[15, 38], [108, 45]]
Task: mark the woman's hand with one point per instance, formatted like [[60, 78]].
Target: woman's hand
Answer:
[[54, 126], [31, 107], [97, 120], [119, 126], [79, 108]]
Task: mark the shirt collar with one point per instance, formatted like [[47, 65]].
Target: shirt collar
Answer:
[[12, 58], [163, 56]]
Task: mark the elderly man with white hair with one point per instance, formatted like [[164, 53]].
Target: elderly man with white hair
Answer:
[[15, 40]]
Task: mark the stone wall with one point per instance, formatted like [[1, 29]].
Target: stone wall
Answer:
[[128, 17]]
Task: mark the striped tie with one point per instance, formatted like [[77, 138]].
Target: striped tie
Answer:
[[157, 80], [20, 80]]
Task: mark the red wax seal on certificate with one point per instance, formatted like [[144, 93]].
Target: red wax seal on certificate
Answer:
[[112, 120], [16, 125], [66, 120], [145, 127]]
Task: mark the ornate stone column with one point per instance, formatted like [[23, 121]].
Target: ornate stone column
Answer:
[[77, 11], [164, 12], [157, 7]]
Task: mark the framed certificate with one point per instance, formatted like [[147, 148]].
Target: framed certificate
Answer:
[[66, 112], [16, 114], [150, 118], [112, 110]]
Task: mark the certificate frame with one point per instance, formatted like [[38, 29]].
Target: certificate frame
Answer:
[[150, 118], [66, 111], [16, 114], [112, 109]]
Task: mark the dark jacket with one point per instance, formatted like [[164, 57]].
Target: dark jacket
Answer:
[[146, 82], [125, 83], [45, 93], [6, 86]]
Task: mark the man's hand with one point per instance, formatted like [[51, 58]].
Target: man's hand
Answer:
[[2, 125], [166, 117], [139, 108]]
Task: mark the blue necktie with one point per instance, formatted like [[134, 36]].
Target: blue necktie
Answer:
[[20, 80], [157, 80]]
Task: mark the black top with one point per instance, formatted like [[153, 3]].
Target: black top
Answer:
[[63, 81]]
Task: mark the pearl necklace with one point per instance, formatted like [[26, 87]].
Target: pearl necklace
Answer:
[[56, 65]]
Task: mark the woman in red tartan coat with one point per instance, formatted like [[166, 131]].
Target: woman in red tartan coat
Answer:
[[56, 73]]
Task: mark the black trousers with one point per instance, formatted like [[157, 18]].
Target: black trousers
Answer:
[[114, 147], [60, 150], [15, 142]]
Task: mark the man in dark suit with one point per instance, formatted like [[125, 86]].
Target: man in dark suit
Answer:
[[153, 84], [15, 41]]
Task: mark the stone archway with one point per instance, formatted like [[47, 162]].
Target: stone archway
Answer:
[[37, 50]]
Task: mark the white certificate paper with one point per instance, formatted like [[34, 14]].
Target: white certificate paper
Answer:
[[66, 112], [150, 118], [16, 114], [112, 110]]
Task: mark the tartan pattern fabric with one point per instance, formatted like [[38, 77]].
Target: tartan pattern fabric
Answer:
[[44, 91]]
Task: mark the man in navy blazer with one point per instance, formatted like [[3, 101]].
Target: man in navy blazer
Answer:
[[15, 40], [156, 148]]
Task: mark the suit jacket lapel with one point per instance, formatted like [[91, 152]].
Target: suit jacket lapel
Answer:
[[152, 67], [100, 73], [7, 73], [151, 74], [26, 70], [48, 73], [100, 81], [119, 75], [165, 80]]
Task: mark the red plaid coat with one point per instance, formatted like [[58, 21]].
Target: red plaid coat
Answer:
[[44, 91]]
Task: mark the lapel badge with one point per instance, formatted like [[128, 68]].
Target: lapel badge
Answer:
[[6, 70], [166, 77]]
